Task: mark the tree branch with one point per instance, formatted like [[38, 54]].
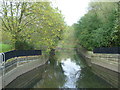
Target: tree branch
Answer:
[[22, 11], [5, 15], [11, 7], [5, 25]]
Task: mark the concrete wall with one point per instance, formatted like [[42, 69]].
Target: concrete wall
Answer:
[[105, 66], [19, 66], [27, 80]]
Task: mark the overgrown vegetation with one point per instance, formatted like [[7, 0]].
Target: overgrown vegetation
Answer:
[[100, 26], [31, 25], [5, 47]]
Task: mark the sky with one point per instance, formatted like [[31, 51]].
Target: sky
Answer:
[[72, 10]]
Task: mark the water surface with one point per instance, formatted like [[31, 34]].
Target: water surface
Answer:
[[69, 71]]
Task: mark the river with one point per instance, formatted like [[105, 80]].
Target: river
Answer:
[[69, 71]]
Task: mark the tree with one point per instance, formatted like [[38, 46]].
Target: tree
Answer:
[[32, 25], [14, 21], [98, 27], [50, 27]]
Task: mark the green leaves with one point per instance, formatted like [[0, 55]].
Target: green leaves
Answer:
[[37, 23], [50, 26], [99, 27]]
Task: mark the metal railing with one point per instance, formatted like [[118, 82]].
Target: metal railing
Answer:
[[9, 62], [107, 50], [17, 53]]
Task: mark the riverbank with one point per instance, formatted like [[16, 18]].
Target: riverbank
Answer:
[[19, 67], [28, 79], [69, 71], [103, 65]]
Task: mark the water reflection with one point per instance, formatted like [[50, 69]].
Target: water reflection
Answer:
[[89, 80], [69, 71], [72, 71], [53, 77]]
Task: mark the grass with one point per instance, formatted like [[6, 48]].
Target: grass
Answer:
[[5, 47]]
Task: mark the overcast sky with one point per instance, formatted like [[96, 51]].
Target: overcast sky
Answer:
[[72, 10]]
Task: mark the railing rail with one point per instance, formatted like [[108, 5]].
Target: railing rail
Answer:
[[17, 53], [107, 50], [11, 69]]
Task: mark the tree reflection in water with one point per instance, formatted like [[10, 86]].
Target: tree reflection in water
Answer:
[[68, 70]]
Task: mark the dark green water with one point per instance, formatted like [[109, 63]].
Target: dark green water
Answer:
[[69, 71]]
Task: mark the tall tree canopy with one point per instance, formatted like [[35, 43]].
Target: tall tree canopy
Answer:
[[32, 25], [100, 26]]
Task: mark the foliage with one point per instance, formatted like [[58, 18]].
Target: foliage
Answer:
[[5, 47], [99, 27], [32, 25], [49, 30], [68, 40], [6, 37]]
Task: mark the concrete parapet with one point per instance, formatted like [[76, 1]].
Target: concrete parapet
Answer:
[[105, 66], [19, 66]]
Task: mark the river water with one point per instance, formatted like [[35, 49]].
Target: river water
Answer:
[[69, 71]]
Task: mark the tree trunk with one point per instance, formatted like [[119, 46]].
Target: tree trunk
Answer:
[[52, 58]]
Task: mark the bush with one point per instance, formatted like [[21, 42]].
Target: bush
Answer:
[[23, 45], [5, 47]]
